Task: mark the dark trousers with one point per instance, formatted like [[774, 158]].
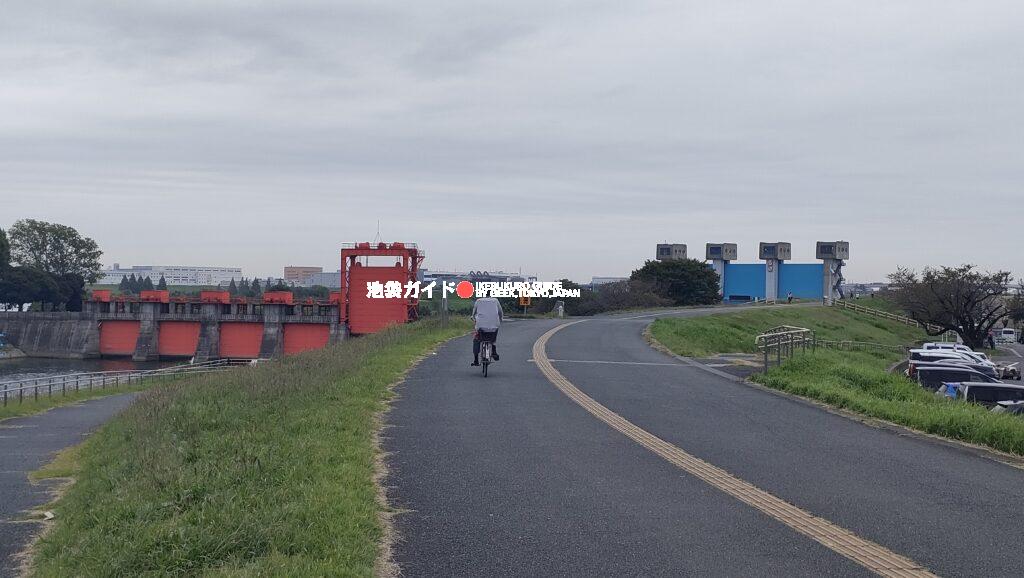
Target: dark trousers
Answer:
[[481, 335]]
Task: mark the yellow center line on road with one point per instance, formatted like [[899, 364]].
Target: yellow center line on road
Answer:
[[603, 362], [868, 554]]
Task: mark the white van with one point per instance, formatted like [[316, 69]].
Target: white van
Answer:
[[1006, 335]]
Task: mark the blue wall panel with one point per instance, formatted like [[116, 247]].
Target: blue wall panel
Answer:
[[744, 280], [803, 279]]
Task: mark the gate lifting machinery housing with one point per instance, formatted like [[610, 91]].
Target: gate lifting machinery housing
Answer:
[[364, 314]]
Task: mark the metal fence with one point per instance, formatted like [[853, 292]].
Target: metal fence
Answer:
[[782, 342], [848, 345], [785, 340], [48, 386], [846, 304]]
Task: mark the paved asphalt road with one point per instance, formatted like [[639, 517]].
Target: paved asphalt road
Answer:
[[506, 476], [28, 443]]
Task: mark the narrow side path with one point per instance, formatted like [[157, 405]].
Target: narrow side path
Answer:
[[26, 444]]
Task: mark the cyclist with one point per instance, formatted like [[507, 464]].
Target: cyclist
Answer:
[[488, 315]]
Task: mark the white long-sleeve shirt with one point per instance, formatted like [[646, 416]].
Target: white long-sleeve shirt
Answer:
[[487, 313]]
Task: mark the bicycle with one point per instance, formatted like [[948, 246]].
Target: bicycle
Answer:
[[486, 353]]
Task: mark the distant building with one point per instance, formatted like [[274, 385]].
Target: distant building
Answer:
[[864, 288], [300, 275], [595, 281], [426, 276], [329, 280], [173, 274], [670, 252]]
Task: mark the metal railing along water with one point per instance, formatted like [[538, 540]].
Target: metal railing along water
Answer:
[[64, 384]]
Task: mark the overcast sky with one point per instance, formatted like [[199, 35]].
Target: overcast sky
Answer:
[[563, 138]]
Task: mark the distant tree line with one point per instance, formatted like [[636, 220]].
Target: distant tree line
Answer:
[[655, 284], [255, 288], [46, 265], [245, 288], [132, 285]]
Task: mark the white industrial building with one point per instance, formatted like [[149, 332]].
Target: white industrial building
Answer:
[[173, 274]]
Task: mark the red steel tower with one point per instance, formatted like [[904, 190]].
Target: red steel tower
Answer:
[[362, 313]]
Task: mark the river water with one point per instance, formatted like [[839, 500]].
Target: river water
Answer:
[[33, 367]]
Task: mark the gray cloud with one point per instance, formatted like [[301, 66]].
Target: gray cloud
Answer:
[[563, 137]]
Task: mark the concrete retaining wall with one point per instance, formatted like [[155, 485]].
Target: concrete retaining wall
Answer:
[[63, 335]]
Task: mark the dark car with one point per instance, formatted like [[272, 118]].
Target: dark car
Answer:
[[932, 376], [984, 393], [1010, 407]]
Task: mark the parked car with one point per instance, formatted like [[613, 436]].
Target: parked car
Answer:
[[1010, 371], [1006, 335], [932, 376], [974, 356], [933, 354], [945, 345], [949, 352], [983, 393], [921, 356], [1011, 407]]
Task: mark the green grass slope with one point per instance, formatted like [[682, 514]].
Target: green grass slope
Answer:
[[257, 471], [734, 332]]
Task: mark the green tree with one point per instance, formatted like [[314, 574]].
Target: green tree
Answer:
[[124, 287], [21, 285], [244, 288], [133, 285], [684, 281], [16, 288], [1017, 305], [147, 284], [961, 299], [232, 288], [162, 284], [255, 288], [72, 291], [5, 251], [54, 248]]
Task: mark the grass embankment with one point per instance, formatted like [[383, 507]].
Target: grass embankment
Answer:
[[262, 470], [30, 405], [735, 332], [852, 380], [456, 304], [880, 303]]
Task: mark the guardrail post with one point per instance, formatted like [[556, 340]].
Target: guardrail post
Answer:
[[778, 351], [765, 363]]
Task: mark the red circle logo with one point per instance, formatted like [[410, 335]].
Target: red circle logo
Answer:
[[464, 289]]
